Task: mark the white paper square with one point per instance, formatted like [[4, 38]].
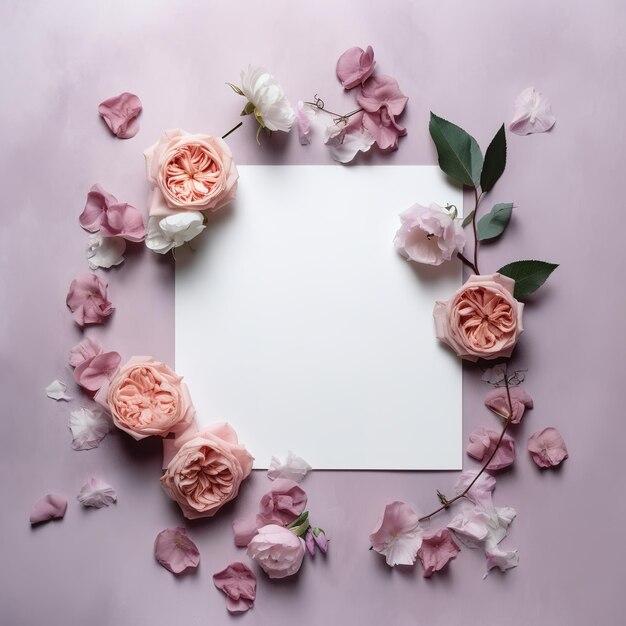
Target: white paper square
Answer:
[[298, 322]]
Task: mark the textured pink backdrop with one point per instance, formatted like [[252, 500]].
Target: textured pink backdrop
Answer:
[[465, 60]]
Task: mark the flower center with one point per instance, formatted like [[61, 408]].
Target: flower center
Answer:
[[191, 173]]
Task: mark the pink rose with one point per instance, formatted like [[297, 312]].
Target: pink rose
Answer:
[[482, 320], [429, 235], [207, 470], [191, 172], [547, 447], [87, 300], [277, 550], [483, 442], [498, 401], [146, 397]]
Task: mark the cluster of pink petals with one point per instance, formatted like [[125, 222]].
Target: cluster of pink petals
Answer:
[[104, 213], [175, 551], [498, 401], [87, 300], [437, 549], [120, 114], [355, 66], [93, 366], [51, 506], [238, 582], [483, 442], [547, 447]]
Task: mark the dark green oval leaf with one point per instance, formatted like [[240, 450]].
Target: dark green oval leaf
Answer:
[[495, 161], [528, 275], [468, 219], [459, 154], [493, 224]]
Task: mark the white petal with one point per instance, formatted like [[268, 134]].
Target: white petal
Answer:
[[344, 148], [96, 493], [155, 239], [174, 230], [402, 550], [88, 428], [294, 468], [105, 251], [57, 391], [502, 559], [533, 113]]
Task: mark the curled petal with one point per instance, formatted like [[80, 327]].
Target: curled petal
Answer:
[[120, 114], [123, 220], [96, 493], [98, 199], [57, 390], [355, 66], [480, 492], [437, 549], [87, 300], [547, 447], [92, 373], [282, 503], [88, 428], [382, 92], [533, 113], [483, 442], [294, 468], [51, 506], [384, 129], [175, 551], [173, 231], [498, 401], [105, 252], [238, 582], [86, 349]]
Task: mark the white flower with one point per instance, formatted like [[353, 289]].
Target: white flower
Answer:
[[165, 233], [294, 468], [88, 428], [57, 390], [105, 251], [96, 493], [268, 99]]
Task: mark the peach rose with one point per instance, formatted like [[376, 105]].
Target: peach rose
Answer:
[[482, 320], [190, 172], [146, 397], [207, 470]]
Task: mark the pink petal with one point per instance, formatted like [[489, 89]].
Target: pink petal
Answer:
[[384, 130], [175, 551], [86, 349], [96, 371], [87, 300], [97, 201], [382, 92], [533, 113], [355, 66], [547, 447], [123, 220], [480, 492], [398, 535], [244, 528], [497, 400], [282, 503], [238, 582], [437, 549], [51, 506], [483, 442], [120, 114]]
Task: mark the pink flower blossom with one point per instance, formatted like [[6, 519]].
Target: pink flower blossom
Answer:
[[345, 142], [95, 371], [87, 300], [355, 66], [482, 444], [277, 550], [497, 400], [547, 447], [429, 235], [238, 582], [175, 551], [398, 535], [51, 506], [282, 503], [86, 349], [480, 492], [437, 549], [533, 113], [120, 114]]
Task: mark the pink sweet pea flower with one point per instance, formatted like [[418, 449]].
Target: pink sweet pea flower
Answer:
[[95, 371], [87, 300], [398, 535], [497, 400], [437, 549], [482, 444], [547, 447], [238, 582], [533, 113], [355, 66], [175, 551], [480, 492], [120, 114], [345, 142]]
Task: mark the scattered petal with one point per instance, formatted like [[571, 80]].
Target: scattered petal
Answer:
[[547, 447], [502, 559], [120, 114], [382, 92], [175, 551], [88, 428], [345, 143], [533, 113], [436, 550], [86, 349], [173, 231], [398, 536], [94, 372], [244, 528], [87, 300], [294, 468], [355, 66], [483, 442], [96, 493], [304, 116], [480, 492], [57, 390], [98, 199], [282, 503], [498, 401], [51, 506], [105, 251], [238, 582]]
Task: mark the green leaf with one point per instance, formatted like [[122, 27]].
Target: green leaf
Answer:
[[236, 89], [468, 219], [459, 154], [495, 161], [493, 224], [528, 275]]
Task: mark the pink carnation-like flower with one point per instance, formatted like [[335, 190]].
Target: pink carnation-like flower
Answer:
[[429, 235], [483, 442], [120, 114], [277, 550], [87, 300], [437, 549], [482, 319], [497, 400], [547, 447], [238, 582], [355, 66]]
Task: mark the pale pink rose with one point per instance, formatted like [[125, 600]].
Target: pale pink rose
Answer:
[[483, 442], [355, 66], [87, 300], [282, 503], [207, 470], [398, 535], [498, 401], [95, 371], [277, 550], [145, 397], [192, 172], [120, 114], [175, 551], [436, 550], [429, 235], [547, 447], [238, 582], [482, 320]]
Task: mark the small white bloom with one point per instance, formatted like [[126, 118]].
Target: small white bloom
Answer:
[[96, 493], [268, 99], [294, 468], [346, 144], [165, 233], [105, 251], [533, 113], [57, 390], [88, 428]]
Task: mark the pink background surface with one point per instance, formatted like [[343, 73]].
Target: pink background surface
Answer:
[[466, 61]]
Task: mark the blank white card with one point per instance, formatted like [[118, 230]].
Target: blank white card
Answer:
[[299, 323]]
